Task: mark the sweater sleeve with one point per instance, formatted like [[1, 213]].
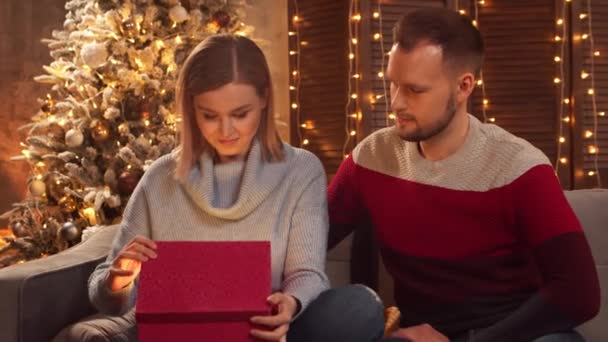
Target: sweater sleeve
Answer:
[[346, 209], [304, 270], [570, 292], [135, 222]]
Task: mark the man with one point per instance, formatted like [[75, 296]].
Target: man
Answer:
[[471, 221]]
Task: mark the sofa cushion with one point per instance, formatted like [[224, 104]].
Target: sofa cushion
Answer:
[[591, 208], [47, 294], [338, 263]]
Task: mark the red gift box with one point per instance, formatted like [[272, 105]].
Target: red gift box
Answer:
[[203, 291]]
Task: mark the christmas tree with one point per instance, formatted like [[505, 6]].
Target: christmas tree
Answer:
[[109, 114]]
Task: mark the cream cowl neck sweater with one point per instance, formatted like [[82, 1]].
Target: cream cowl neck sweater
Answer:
[[254, 200]]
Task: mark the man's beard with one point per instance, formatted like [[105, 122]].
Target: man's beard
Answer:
[[422, 134]]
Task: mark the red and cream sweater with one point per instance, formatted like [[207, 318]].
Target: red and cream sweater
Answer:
[[482, 243]]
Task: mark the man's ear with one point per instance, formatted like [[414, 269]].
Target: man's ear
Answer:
[[466, 85]]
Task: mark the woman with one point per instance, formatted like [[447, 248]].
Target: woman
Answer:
[[234, 179]]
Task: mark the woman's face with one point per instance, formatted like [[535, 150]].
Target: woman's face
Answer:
[[228, 118]]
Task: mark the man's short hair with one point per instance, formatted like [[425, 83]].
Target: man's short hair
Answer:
[[459, 39]]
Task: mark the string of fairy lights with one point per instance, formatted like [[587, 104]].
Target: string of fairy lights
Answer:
[[480, 82], [592, 148], [379, 36], [353, 113], [561, 39], [590, 136], [294, 87], [352, 109], [485, 101]]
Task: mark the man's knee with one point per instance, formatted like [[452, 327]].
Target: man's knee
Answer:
[[359, 300]]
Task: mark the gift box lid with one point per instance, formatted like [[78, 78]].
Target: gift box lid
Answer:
[[191, 281]]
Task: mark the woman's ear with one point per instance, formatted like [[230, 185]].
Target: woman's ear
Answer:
[[264, 99]]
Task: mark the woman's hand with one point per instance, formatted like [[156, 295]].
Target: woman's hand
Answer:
[[284, 308], [127, 264]]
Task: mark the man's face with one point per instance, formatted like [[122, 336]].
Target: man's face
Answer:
[[422, 92]]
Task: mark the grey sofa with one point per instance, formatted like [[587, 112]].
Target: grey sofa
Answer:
[[41, 297]]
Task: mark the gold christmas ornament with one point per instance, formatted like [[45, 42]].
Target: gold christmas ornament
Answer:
[[47, 104], [56, 186], [40, 168], [111, 113], [178, 14], [128, 27], [212, 26], [67, 204], [37, 187], [100, 130], [123, 128], [74, 138], [90, 215]]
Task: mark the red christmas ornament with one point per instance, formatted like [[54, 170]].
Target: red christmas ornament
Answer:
[[147, 108], [221, 18], [127, 181]]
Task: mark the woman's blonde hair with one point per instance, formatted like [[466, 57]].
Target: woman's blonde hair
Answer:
[[217, 61]]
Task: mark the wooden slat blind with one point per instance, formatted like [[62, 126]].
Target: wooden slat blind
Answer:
[[519, 71], [584, 111], [323, 84], [391, 11]]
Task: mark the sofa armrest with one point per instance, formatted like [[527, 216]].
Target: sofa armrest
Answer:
[[41, 297]]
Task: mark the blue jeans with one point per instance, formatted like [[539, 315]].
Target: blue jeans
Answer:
[[560, 337], [350, 314]]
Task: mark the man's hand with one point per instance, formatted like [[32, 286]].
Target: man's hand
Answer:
[[421, 333]]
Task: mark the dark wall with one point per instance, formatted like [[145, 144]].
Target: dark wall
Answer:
[[23, 23]]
